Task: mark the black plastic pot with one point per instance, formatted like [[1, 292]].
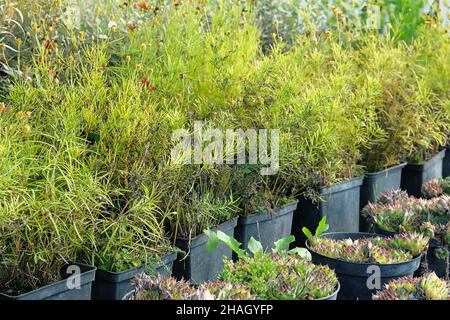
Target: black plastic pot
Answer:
[[264, 227], [199, 266], [61, 290], [114, 285], [415, 175], [376, 183], [446, 164], [434, 264], [353, 277], [340, 205]]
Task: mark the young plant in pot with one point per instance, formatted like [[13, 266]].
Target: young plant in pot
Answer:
[[200, 198], [396, 212], [427, 287], [359, 257], [42, 233], [130, 242], [281, 274], [266, 212]]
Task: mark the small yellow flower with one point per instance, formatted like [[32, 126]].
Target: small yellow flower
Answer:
[[81, 35], [98, 11], [18, 42], [42, 22], [26, 129], [28, 115], [139, 67], [128, 58], [143, 46], [20, 115]]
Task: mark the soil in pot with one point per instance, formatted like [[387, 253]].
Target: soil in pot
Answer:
[[264, 227], [114, 285], [340, 205], [415, 175], [357, 280], [199, 266], [375, 184], [66, 289]]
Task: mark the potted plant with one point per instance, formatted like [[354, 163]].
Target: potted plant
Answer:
[[201, 211], [427, 287], [266, 211], [276, 275], [356, 256], [396, 212]]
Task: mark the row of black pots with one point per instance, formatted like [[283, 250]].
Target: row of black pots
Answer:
[[199, 266], [343, 202], [91, 283]]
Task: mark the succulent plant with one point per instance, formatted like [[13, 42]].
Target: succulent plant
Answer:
[[220, 290], [436, 188], [393, 196], [427, 287], [400, 248], [162, 288], [281, 276], [413, 242]]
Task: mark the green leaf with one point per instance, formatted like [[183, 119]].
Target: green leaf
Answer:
[[213, 241], [307, 233], [232, 243], [255, 247], [282, 245], [322, 227], [302, 252]]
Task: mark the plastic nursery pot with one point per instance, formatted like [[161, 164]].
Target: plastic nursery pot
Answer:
[[114, 285], [340, 205], [198, 265], [355, 278], [375, 183], [414, 175], [446, 164], [66, 289], [264, 227], [434, 263]]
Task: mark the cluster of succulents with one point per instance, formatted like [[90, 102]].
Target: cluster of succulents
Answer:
[[159, 287], [275, 276], [381, 250], [427, 287], [436, 188], [395, 211]]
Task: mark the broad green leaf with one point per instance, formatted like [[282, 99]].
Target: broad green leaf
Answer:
[[213, 241], [307, 233], [322, 227], [255, 247], [282, 245], [302, 252], [232, 243]]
